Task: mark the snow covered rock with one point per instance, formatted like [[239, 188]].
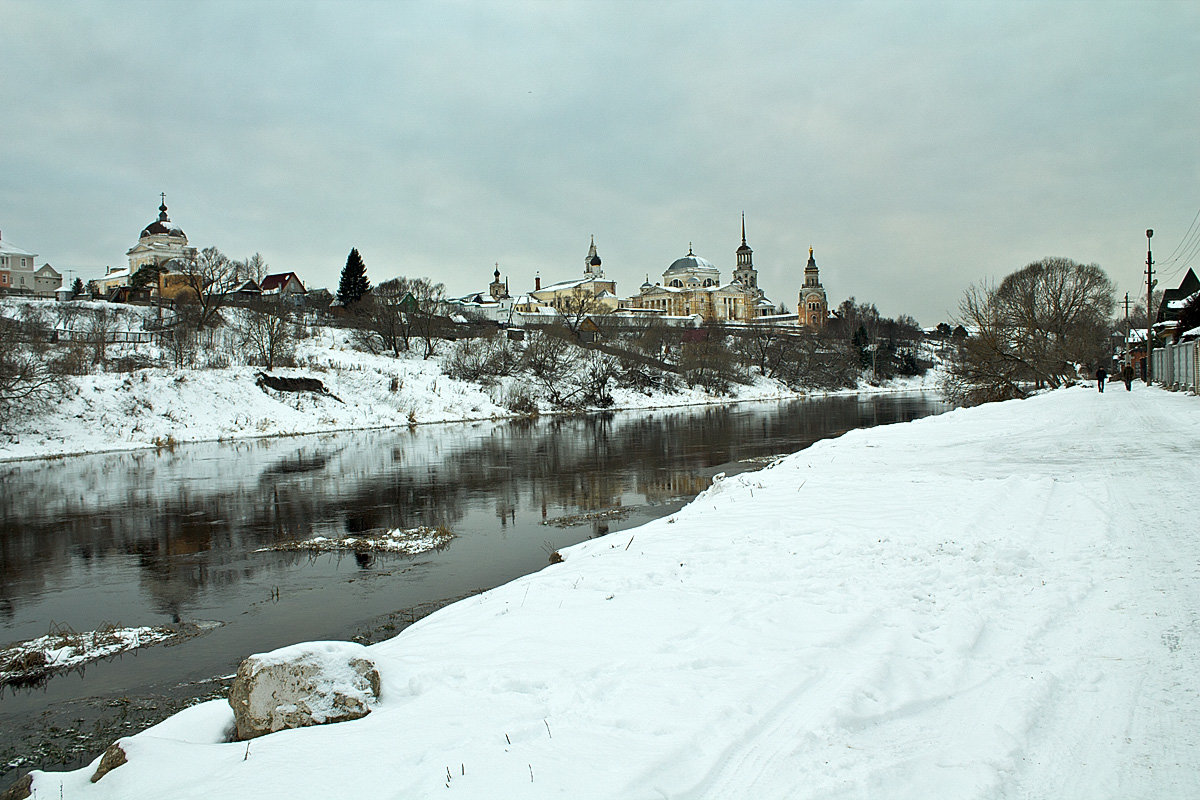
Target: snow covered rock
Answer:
[[305, 684]]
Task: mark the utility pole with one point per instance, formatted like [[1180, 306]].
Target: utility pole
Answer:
[[1149, 300], [1127, 358]]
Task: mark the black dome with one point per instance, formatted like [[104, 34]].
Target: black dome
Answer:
[[162, 225]]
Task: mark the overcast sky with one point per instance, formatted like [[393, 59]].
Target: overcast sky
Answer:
[[919, 147]]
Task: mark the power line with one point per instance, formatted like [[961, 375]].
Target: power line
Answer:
[[1184, 253], [1189, 231]]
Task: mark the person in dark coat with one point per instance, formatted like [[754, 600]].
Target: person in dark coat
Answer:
[[1127, 376], [1101, 375]]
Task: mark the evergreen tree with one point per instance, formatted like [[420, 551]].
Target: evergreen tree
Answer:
[[354, 283], [77, 287]]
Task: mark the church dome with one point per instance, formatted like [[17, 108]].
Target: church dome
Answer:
[[689, 263], [162, 225], [594, 261]]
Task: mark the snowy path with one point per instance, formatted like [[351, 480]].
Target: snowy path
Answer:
[[1001, 602]]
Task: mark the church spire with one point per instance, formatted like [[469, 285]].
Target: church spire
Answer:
[[745, 274], [591, 263]]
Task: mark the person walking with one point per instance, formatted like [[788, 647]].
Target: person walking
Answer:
[[1127, 376], [1101, 375]]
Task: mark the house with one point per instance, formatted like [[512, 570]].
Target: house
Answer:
[[16, 268], [46, 281], [1173, 303], [284, 286]]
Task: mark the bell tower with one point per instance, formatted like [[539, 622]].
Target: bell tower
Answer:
[[745, 273], [591, 263], [812, 308]]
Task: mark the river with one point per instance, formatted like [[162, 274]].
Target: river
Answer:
[[154, 537]]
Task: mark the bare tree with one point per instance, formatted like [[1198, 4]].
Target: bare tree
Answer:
[[255, 268], [267, 331], [385, 326], [100, 327], [550, 358], [211, 278], [28, 379], [706, 361], [758, 347], [426, 313], [179, 340], [1036, 328], [577, 306]]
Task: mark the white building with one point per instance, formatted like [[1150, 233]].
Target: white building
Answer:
[[160, 243]]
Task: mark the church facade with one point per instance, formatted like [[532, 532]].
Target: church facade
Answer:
[[159, 244], [691, 285]]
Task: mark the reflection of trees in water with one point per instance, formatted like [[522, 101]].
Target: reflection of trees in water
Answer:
[[190, 519]]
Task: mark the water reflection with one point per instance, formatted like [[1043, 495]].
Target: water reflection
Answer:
[[153, 537], [186, 519]]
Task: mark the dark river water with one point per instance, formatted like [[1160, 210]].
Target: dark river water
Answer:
[[155, 537]]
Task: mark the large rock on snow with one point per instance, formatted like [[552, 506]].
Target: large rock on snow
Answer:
[[305, 684]]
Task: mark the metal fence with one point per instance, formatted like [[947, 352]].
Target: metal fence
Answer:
[[1176, 366], [108, 337]]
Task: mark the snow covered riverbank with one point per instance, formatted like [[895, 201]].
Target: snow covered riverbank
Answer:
[[995, 602], [159, 407]]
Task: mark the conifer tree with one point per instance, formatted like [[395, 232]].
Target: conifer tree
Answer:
[[354, 283], [77, 287]]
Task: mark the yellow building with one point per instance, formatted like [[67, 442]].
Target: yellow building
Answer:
[[692, 285], [591, 294]]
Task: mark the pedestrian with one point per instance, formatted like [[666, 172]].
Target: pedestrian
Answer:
[[1127, 376], [1101, 375]]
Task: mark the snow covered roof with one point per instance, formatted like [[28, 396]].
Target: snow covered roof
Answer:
[[691, 263], [13, 250], [162, 225], [1183, 302], [558, 287]]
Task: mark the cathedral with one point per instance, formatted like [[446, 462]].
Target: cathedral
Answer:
[[692, 285]]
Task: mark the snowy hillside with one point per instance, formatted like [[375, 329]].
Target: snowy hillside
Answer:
[[997, 602], [161, 406]]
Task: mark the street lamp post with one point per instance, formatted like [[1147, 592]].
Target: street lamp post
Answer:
[[1149, 299]]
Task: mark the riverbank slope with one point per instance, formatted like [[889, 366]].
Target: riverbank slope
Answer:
[[995, 602], [161, 407]]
